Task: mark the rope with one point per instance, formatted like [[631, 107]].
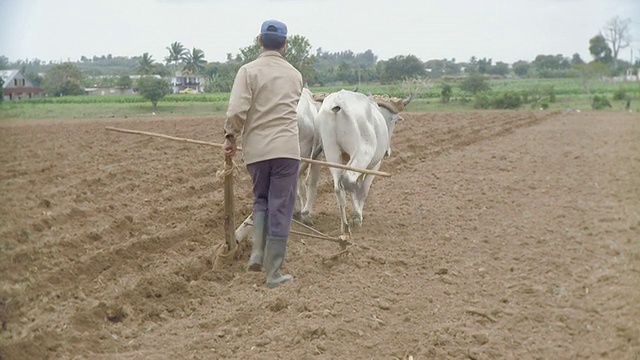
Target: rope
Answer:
[[228, 170], [222, 253]]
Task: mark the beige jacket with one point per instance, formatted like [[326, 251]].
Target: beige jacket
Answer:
[[262, 106]]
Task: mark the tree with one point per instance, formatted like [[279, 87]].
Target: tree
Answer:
[[124, 82], [436, 67], [484, 66], [521, 68], [153, 89], [402, 67], [576, 60], [220, 76], [63, 79], [1, 85], [616, 34], [194, 61], [600, 50], [4, 62], [249, 53], [548, 66], [475, 83], [589, 72], [472, 66], [500, 68], [176, 51], [346, 73], [297, 53], [146, 65]]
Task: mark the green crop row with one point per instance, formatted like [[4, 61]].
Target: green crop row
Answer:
[[128, 99], [555, 93]]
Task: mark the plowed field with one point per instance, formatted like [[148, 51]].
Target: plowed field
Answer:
[[500, 235]]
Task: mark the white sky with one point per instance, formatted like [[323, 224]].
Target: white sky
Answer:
[[502, 30]]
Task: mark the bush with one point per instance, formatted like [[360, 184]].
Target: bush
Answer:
[[620, 94], [504, 100], [600, 102], [475, 83], [446, 93]]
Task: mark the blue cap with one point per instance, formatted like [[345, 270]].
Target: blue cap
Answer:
[[274, 27]]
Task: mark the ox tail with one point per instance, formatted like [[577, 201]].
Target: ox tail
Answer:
[[337, 103], [316, 152]]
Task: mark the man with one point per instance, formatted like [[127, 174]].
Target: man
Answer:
[[262, 106]]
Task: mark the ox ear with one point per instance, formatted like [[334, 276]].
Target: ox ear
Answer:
[[395, 118]]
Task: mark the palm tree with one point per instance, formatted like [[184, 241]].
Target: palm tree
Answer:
[[146, 65], [176, 51], [193, 61]]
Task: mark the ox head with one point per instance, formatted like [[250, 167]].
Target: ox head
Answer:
[[392, 118]]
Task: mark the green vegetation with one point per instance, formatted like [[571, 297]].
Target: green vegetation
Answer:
[[446, 93], [63, 79], [552, 94], [153, 89], [475, 83], [600, 102], [546, 82]]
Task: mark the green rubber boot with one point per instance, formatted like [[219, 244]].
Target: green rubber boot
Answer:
[[259, 241], [273, 259]]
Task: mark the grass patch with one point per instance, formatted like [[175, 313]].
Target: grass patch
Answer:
[[567, 94], [25, 110]]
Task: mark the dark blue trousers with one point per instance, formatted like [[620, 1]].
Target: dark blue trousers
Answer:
[[275, 183]]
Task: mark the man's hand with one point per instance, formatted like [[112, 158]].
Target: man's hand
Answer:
[[229, 147]]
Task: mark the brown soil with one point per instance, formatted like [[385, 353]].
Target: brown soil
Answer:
[[512, 235]]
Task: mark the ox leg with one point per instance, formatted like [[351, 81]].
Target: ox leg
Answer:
[[312, 193], [341, 196], [302, 189], [333, 154], [351, 180], [359, 196]]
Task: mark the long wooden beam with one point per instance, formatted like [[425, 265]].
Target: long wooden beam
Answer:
[[199, 142]]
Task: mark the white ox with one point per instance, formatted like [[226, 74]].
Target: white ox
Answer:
[[309, 141], [354, 131]]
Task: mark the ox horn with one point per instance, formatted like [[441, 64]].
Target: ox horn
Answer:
[[407, 100]]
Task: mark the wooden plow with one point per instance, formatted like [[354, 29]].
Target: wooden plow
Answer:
[[233, 236]]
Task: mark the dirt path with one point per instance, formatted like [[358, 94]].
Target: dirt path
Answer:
[[501, 235]]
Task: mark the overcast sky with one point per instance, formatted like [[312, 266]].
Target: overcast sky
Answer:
[[502, 30]]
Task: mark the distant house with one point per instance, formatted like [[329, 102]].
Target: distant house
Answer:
[[97, 90], [187, 84], [16, 86], [632, 75], [107, 90]]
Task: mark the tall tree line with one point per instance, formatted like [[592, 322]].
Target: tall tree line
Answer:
[[344, 67]]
